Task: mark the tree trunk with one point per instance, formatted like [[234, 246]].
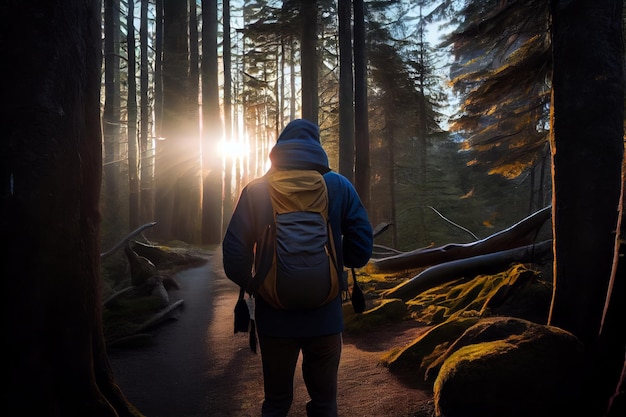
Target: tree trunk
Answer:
[[308, 64], [361, 118], [211, 129], [177, 197], [229, 195], [147, 147], [292, 78], [158, 67], [346, 91], [587, 155], [51, 167], [194, 56], [614, 312], [174, 78], [133, 148], [422, 135], [391, 180], [111, 122]]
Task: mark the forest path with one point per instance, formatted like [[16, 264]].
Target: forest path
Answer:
[[197, 366]]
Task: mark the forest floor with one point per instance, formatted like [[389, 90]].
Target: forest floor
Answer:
[[196, 366]]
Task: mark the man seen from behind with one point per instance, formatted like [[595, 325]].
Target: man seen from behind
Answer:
[[285, 333]]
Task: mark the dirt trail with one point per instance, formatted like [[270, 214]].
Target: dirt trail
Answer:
[[197, 367]]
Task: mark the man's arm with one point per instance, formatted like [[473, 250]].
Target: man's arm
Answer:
[[358, 237]]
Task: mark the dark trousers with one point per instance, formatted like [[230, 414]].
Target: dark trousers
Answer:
[[320, 362]]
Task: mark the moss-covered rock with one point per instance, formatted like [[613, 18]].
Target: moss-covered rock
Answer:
[[518, 292], [411, 362], [509, 367]]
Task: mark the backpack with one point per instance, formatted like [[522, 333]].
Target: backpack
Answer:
[[303, 273]]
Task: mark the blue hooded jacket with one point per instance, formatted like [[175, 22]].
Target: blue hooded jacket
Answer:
[[297, 147]]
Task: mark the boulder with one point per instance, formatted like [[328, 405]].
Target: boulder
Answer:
[[508, 367]]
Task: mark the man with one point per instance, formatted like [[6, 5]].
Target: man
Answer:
[[283, 334]]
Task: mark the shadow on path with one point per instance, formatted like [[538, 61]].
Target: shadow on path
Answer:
[[181, 373]]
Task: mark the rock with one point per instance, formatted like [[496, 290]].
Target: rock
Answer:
[[411, 361], [509, 367]]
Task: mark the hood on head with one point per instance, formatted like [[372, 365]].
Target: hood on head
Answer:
[[299, 147], [300, 129]]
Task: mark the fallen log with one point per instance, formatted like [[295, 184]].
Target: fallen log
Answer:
[[522, 233], [113, 298], [139, 337], [126, 239], [165, 314], [384, 251], [482, 264]]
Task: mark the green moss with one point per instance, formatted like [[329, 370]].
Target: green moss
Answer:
[[382, 312], [483, 295], [417, 356]]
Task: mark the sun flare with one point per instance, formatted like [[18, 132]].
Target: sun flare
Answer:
[[233, 149]]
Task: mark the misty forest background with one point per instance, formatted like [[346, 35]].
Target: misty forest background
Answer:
[[122, 113], [242, 75]]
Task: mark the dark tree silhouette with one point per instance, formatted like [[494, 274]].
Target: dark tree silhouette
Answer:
[[309, 60], [146, 198], [346, 91], [361, 121], [133, 144], [587, 156], [111, 121], [51, 174]]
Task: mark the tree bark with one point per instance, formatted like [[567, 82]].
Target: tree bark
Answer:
[[346, 91], [111, 120], [587, 138], [361, 119], [51, 170], [309, 60], [146, 198], [229, 195], [133, 145]]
